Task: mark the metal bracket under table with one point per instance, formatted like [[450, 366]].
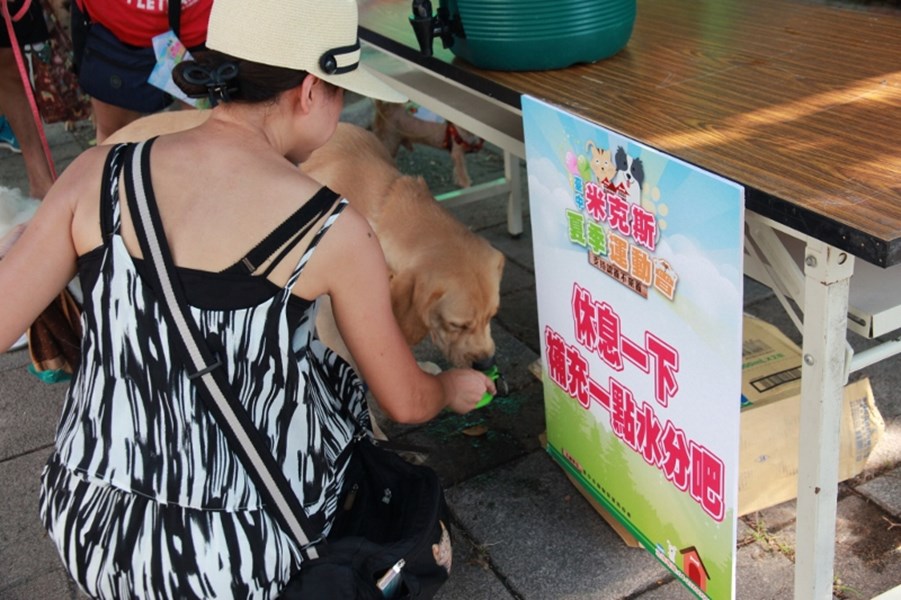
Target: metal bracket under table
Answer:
[[818, 278]]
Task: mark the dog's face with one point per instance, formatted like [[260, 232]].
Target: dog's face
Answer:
[[601, 163], [629, 174], [452, 305], [460, 318]]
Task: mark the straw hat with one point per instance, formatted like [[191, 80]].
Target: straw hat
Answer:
[[317, 36]]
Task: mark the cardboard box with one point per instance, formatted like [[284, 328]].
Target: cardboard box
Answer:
[[770, 417]]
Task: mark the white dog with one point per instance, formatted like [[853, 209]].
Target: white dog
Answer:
[[16, 210], [629, 175]]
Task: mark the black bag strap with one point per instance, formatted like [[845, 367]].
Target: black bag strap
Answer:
[[175, 17], [205, 369]]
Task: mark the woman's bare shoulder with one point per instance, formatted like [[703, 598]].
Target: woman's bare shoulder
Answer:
[[348, 254], [80, 178], [79, 187], [351, 233], [85, 164]]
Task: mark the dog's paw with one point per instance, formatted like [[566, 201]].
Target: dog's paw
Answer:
[[416, 458], [429, 367]]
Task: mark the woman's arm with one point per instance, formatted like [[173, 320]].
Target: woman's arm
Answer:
[[357, 281], [7, 241], [40, 263]]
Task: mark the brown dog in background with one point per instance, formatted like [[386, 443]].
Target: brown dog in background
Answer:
[[396, 125]]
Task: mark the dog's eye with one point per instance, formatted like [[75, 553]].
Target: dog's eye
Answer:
[[458, 326]]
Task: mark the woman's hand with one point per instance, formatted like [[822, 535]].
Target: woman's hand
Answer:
[[465, 388]]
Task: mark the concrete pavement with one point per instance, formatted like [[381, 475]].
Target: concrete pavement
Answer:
[[522, 530]]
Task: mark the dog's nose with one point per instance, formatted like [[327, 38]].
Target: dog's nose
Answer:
[[483, 364]]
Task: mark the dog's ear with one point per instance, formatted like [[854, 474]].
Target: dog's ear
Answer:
[[638, 171], [622, 160], [405, 305], [429, 290]]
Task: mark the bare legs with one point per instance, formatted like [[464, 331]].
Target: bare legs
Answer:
[[109, 118], [14, 105]]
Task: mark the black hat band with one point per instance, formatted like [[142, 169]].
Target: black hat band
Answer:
[[328, 62]]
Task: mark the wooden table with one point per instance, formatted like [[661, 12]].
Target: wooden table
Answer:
[[797, 100]]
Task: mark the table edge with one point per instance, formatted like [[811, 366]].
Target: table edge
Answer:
[[874, 250]]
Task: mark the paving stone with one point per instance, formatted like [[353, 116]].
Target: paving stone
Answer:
[[30, 411], [14, 359], [463, 446], [518, 250], [760, 574], [545, 538], [54, 584], [471, 575], [867, 556], [519, 314], [883, 490], [516, 278], [26, 552], [773, 518]]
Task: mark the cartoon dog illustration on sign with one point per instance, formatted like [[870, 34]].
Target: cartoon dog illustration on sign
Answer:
[[629, 175]]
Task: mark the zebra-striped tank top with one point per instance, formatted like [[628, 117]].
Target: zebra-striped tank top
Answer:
[[142, 496]]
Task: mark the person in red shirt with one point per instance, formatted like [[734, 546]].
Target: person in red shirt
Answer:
[[113, 42]]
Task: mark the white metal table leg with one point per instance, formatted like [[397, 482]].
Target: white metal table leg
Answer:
[[827, 272], [514, 197]]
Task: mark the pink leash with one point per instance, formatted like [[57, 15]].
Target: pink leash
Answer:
[[26, 80]]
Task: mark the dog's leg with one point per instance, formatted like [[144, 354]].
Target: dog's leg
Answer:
[[458, 156]]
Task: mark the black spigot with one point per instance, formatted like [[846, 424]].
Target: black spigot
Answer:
[[427, 26]]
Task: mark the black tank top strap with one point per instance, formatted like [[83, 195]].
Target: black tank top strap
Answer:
[[327, 223], [325, 193], [109, 190], [286, 235]]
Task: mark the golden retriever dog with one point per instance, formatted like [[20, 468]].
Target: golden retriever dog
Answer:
[[445, 279]]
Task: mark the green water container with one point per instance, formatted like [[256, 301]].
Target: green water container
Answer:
[[530, 35]]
